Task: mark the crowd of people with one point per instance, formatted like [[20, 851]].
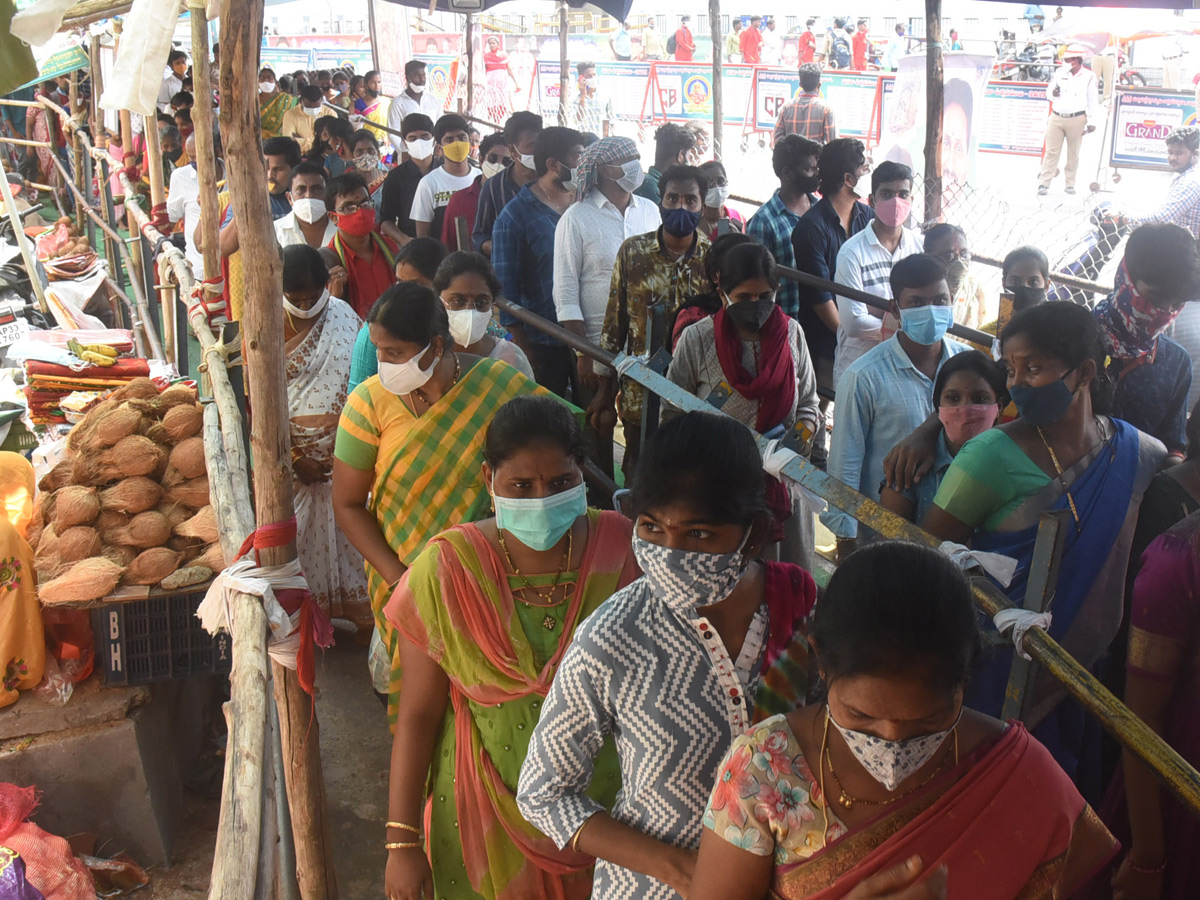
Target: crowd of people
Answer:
[[654, 702]]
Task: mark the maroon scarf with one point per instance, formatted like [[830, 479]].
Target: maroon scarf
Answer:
[[775, 384]]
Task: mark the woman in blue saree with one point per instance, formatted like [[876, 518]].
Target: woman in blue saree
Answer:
[[1062, 453]]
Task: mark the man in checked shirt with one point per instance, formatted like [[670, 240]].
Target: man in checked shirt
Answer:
[[807, 115], [1182, 206]]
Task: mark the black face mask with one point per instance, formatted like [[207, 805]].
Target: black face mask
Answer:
[[1025, 297], [372, 94], [806, 184], [751, 315], [172, 155]]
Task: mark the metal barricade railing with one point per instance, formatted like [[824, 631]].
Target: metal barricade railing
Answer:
[[1176, 774]]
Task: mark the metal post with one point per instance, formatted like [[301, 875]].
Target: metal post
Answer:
[[564, 80], [934, 73], [1039, 593], [718, 89]]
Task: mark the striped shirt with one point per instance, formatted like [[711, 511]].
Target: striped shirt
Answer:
[[865, 264], [661, 682], [880, 400]]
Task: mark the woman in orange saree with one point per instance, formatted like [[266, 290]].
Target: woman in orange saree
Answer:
[[891, 789]]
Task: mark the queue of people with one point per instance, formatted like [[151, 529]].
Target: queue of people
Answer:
[[589, 703]]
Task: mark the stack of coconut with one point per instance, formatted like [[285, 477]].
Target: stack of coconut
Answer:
[[129, 505]]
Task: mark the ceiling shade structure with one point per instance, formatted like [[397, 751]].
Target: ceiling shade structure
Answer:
[[618, 9]]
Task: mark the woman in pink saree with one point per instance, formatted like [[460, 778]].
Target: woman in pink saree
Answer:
[[891, 789]]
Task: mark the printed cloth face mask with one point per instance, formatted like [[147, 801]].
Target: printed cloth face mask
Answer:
[[686, 579], [891, 762]]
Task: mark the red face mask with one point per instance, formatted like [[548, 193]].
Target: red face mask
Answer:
[[357, 224]]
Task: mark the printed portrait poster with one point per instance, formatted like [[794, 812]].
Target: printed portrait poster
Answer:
[[902, 137]]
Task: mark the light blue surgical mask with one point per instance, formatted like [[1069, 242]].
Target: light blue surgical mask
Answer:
[[926, 324], [540, 522]]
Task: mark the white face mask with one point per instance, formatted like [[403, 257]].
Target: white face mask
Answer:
[[527, 161], [492, 169], [312, 313], [313, 111], [891, 762], [266, 86], [406, 377], [308, 210], [569, 181], [632, 176], [716, 196], [468, 325], [422, 149], [416, 89]]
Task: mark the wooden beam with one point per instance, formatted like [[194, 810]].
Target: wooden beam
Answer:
[[934, 73], [206, 155], [262, 344], [89, 11]]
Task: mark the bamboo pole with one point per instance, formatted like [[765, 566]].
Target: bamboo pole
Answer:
[[262, 341], [934, 89], [718, 88], [125, 117], [154, 162], [467, 106], [235, 859], [206, 154]]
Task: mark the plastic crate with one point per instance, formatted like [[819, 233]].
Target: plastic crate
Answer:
[[157, 639]]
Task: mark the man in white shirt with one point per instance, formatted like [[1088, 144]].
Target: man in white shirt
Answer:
[[183, 202], [172, 83], [453, 139], [414, 98], [308, 222], [586, 241], [1074, 112], [772, 46], [866, 259]]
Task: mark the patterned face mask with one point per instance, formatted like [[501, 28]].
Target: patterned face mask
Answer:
[[891, 762], [686, 579]]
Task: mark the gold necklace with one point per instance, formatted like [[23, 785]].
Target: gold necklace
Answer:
[[847, 801], [1059, 469], [549, 622], [417, 392]]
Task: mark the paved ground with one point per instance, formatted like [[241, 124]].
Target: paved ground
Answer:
[[355, 749]]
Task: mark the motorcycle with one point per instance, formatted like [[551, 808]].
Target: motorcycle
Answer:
[[1090, 255], [1034, 62]]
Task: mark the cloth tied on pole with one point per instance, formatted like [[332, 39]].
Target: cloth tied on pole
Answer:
[[295, 620]]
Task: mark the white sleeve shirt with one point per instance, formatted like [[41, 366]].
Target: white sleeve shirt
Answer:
[[1077, 93]]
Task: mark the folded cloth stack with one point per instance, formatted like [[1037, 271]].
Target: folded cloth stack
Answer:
[[46, 384]]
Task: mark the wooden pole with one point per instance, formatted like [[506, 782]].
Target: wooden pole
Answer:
[[154, 158], [262, 343], [73, 138], [718, 89], [933, 110], [564, 79], [206, 154]]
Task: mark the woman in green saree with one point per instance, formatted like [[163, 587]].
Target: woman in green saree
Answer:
[[409, 449], [272, 104], [485, 613]]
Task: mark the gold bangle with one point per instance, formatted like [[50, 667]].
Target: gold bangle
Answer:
[[411, 828], [575, 840], [404, 845]]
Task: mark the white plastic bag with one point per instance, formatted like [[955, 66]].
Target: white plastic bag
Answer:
[[137, 75]]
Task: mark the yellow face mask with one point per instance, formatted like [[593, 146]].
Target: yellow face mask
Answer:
[[457, 151]]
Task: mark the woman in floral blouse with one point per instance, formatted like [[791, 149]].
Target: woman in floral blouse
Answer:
[[891, 788]]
